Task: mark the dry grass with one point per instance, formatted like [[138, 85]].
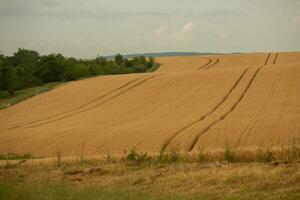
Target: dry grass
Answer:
[[164, 180], [170, 174]]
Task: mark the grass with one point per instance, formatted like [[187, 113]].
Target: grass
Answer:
[[11, 191], [14, 156], [141, 158], [229, 174], [22, 95], [154, 68], [15, 191], [289, 153], [174, 181]]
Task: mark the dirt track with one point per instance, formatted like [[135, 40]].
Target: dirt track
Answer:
[[248, 100]]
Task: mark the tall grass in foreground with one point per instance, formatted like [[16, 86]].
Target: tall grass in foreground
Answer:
[[119, 181], [13, 191], [37, 191], [287, 153]]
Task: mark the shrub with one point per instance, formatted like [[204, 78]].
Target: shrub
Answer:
[[137, 158]]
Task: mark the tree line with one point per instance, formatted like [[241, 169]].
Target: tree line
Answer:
[[27, 68]]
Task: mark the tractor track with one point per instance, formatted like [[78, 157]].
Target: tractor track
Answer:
[[206, 129], [206, 64], [268, 58], [216, 62], [97, 105], [203, 131], [275, 59], [169, 140], [261, 113], [79, 107]]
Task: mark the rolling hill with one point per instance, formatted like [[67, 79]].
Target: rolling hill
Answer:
[[190, 102]]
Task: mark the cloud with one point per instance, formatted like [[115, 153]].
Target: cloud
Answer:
[[187, 28], [160, 30]]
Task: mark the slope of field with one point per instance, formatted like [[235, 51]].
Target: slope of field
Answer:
[[191, 102]]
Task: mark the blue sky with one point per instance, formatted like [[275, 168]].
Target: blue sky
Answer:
[[86, 28]]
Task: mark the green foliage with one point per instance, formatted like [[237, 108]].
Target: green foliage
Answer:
[[26, 68], [14, 156], [137, 158], [119, 59], [101, 60], [142, 158], [7, 99], [51, 68], [174, 155], [46, 191], [152, 60]]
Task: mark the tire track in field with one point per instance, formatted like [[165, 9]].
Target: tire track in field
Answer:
[[81, 106], [206, 64], [268, 58], [275, 59], [260, 114], [97, 105], [169, 140], [216, 62], [203, 131], [254, 120]]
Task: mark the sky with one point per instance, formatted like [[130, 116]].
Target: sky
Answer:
[[87, 28]]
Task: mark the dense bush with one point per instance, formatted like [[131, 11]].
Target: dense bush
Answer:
[[27, 68]]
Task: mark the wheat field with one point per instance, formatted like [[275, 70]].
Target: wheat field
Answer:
[[190, 102]]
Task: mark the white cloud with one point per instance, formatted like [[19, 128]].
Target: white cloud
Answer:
[[187, 28], [160, 30]]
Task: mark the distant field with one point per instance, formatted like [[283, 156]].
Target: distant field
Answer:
[[191, 103]]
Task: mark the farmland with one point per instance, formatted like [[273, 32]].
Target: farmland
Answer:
[[200, 127], [247, 100]]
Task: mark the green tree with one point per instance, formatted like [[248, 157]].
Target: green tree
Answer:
[[151, 60], [24, 56], [100, 60], [25, 64], [142, 60], [50, 68], [127, 63], [27, 68], [5, 75], [119, 59]]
